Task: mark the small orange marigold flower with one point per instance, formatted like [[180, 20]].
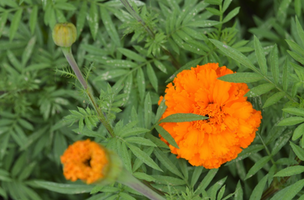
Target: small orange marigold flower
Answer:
[[85, 160], [232, 120]]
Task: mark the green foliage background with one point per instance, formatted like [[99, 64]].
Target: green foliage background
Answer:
[[129, 54]]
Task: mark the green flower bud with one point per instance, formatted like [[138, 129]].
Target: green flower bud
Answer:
[[64, 34]]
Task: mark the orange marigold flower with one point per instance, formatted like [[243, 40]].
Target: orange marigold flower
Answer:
[[232, 120], [85, 160]]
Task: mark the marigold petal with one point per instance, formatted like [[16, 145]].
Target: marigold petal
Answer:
[[231, 124], [84, 160]]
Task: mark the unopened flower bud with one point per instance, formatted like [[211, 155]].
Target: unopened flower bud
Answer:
[[91, 163], [64, 34]]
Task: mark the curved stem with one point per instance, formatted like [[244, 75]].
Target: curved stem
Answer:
[[70, 58], [129, 180]]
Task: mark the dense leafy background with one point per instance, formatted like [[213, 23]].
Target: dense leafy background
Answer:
[[128, 57]]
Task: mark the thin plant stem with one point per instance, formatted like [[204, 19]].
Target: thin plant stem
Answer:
[[129, 180], [266, 148], [70, 58]]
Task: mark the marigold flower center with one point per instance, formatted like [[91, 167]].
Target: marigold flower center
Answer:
[[215, 122]]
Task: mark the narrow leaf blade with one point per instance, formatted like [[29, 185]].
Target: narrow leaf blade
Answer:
[[183, 117], [259, 52]]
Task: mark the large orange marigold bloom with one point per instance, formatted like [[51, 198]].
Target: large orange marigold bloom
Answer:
[[85, 160], [232, 120]]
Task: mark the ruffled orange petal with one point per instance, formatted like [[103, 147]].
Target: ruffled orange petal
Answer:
[[232, 121]]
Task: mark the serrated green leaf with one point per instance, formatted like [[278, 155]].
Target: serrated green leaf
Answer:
[[65, 6], [160, 110], [300, 31], [144, 176], [140, 141], [18, 165], [93, 19], [15, 23], [290, 171], [260, 54], [64, 188], [203, 23], [231, 14], [226, 4], [260, 89], [4, 144], [234, 54], [168, 180], [33, 19], [26, 124], [296, 56], [144, 157], [289, 192], [274, 63], [258, 190], [285, 75], [26, 172], [298, 6], [124, 155], [291, 121], [119, 63], [294, 111], [206, 181], [298, 132], [112, 73], [194, 33], [148, 111], [241, 77], [110, 27], [183, 117], [59, 146], [213, 190], [187, 45], [281, 141], [152, 77], [167, 162], [28, 51], [81, 16], [133, 131], [196, 174], [160, 66], [141, 84], [282, 10], [238, 192], [274, 99], [3, 21], [131, 54], [166, 136], [257, 166], [214, 11], [221, 193], [295, 47], [247, 152], [298, 151], [214, 2]]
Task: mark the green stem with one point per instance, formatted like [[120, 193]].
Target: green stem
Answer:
[[129, 180], [70, 58]]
